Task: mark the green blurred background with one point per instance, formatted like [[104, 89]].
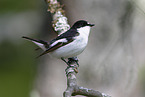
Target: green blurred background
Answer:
[[17, 61]]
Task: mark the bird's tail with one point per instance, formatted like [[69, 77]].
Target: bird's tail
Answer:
[[28, 38], [42, 44]]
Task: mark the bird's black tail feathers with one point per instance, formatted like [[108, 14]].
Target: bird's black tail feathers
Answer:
[[30, 38], [39, 41]]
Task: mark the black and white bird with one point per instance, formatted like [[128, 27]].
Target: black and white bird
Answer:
[[67, 45]]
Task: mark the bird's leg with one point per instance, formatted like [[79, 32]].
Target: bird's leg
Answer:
[[68, 65], [73, 59], [65, 61], [71, 65]]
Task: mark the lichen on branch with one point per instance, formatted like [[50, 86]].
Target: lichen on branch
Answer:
[[59, 23]]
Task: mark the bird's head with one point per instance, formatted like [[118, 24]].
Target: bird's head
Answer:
[[82, 23]]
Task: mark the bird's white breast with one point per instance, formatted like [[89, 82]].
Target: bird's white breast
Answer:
[[74, 48]]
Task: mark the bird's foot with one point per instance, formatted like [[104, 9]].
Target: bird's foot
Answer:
[[73, 60], [71, 65]]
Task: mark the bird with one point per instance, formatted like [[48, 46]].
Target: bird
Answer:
[[67, 45]]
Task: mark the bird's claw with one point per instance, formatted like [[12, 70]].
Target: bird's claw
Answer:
[[73, 60]]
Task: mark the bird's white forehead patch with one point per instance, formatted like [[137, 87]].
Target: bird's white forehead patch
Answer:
[[57, 41]]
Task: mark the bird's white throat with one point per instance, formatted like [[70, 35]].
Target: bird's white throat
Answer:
[[84, 30]]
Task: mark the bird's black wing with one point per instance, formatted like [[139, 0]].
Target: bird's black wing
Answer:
[[68, 35]]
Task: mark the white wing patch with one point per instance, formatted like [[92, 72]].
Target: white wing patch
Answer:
[[57, 41], [40, 45]]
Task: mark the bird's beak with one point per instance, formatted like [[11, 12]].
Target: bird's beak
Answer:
[[91, 25]]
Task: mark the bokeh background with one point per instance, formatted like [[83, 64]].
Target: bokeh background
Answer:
[[113, 62]]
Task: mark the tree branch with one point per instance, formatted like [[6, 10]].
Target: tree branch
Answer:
[[61, 25], [73, 89]]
